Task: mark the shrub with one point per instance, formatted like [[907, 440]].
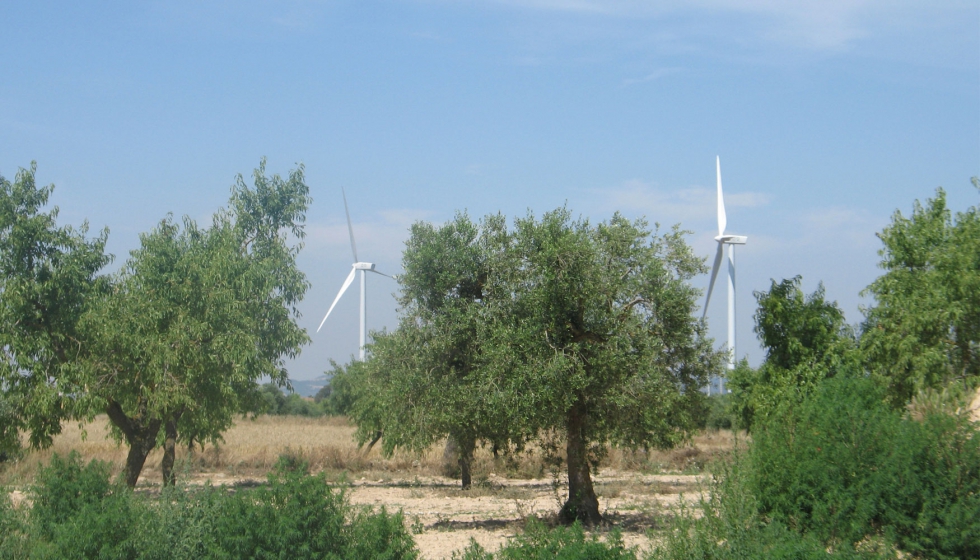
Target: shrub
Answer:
[[64, 488], [719, 414], [844, 467], [727, 526], [13, 537], [78, 513], [299, 516], [563, 543]]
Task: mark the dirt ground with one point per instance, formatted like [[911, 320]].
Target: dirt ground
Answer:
[[446, 518]]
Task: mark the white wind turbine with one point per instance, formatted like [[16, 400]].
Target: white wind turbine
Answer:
[[730, 240], [364, 267]]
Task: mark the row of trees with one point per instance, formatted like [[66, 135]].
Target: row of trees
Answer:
[[562, 330], [555, 327], [172, 345], [920, 336]]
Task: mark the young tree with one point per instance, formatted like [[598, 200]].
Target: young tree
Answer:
[[596, 335], [48, 275], [806, 339], [923, 331], [196, 317]]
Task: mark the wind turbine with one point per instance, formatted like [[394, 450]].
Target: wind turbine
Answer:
[[730, 240], [364, 267]]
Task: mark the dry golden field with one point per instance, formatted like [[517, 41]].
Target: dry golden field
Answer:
[[636, 490]]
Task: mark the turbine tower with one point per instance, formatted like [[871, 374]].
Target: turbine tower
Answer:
[[730, 240], [364, 267]]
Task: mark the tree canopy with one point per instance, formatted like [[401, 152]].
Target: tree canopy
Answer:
[[556, 326], [48, 276], [422, 381], [196, 317], [923, 331], [806, 339]]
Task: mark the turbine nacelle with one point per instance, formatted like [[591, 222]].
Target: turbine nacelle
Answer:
[[363, 266]]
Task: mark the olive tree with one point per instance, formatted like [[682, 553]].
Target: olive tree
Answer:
[[595, 333], [196, 317], [48, 276], [427, 379]]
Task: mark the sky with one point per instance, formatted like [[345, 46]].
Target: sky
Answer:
[[827, 116]]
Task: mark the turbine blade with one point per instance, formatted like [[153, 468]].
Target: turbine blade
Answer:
[[714, 275], [722, 218], [382, 273], [350, 278], [350, 228]]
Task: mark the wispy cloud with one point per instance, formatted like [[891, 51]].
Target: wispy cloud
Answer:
[[652, 76], [668, 206], [812, 25]]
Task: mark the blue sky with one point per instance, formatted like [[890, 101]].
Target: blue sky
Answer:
[[828, 116]]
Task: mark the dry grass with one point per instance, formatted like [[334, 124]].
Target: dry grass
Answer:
[[253, 446]]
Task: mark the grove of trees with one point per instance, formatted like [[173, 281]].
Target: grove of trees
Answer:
[[555, 331], [555, 326], [170, 347]]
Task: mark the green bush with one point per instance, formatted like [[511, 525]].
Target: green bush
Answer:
[[79, 513], [726, 525], [64, 488], [563, 543], [277, 403], [844, 467], [13, 536], [719, 416]]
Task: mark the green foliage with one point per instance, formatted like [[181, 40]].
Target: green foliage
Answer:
[[924, 328], [78, 513], [65, 487], [569, 543], [47, 278], [14, 543], [806, 340], [278, 404], [556, 325], [341, 395], [563, 543], [198, 315], [843, 466], [726, 525], [719, 412]]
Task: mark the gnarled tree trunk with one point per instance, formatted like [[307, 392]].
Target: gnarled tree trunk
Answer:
[[582, 503], [141, 435]]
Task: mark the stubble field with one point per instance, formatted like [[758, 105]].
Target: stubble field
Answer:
[[638, 492]]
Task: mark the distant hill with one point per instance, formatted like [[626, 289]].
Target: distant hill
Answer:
[[309, 387]]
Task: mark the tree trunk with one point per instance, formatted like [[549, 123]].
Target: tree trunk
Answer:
[[582, 504], [376, 439], [169, 449], [141, 435], [465, 449]]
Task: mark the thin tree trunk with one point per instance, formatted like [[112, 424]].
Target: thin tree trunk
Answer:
[[169, 449], [141, 435], [582, 504], [377, 438]]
